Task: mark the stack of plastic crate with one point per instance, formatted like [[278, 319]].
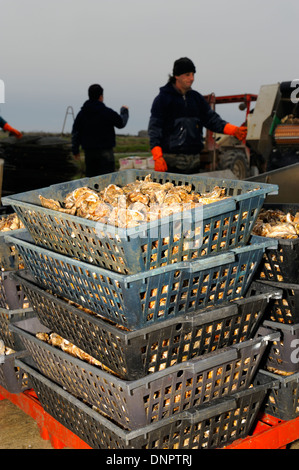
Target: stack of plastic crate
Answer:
[[280, 269], [14, 306], [166, 308]]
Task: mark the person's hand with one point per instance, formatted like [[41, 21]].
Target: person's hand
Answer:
[[12, 131], [160, 163], [241, 132], [238, 132]]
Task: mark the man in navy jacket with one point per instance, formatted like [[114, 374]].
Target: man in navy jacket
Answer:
[[178, 115], [93, 129]]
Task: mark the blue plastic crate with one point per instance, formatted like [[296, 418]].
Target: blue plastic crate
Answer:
[[191, 235], [142, 299]]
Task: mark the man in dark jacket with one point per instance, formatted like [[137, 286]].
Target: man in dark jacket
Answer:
[[6, 127], [93, 130], [178, 115]]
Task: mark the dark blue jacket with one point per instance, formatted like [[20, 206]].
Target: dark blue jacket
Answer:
[[94, 126], [177, 121], [2, 122]]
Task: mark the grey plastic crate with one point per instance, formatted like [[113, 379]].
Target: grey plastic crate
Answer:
[[138, 300], [11, 294], [209, 426], [283, 354], [7, 317], [215, 227], [286, 308], [283, 400], [12, 378], [157, 396], [9, 256], [133, 354], [281, 264]]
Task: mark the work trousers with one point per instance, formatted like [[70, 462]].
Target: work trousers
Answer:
[[181, 163], [99, 162]]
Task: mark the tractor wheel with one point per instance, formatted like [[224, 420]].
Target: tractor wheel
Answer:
[[236, 161]]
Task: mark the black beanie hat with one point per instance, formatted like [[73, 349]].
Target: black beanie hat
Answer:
[[183, 65], [95, 91]]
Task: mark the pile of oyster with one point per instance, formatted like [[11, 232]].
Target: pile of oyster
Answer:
[[133, 204]]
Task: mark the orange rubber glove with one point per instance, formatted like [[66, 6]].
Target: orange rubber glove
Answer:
[[160, 163], [239, 132], [13, 131]]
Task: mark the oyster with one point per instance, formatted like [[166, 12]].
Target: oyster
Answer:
[[10, 222], [136, 202], [274, 223]]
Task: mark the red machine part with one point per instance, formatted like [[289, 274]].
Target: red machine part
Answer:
[[246, 99], [50, 429]]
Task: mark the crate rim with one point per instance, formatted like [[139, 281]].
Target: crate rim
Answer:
[[280, 285], [281, 379], [290, 328], [10, 311], [13, 356]]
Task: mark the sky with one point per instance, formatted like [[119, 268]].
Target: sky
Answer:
[[52, 50]]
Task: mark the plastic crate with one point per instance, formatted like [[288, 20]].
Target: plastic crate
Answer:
[[281, 264], [11, 294], [12, 378], [282, 401], [132, 355], [210, 426], [202, 231], [9, 257], [10, 316], [157, 396], [138, 300], [283, 354], [285, 309]]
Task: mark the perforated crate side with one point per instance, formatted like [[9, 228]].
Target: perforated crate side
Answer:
[[154, 397], [281, 264], [12, 378], [9, 256], [7, 317], [11, 294], [282, 355], [282, 401], [145, 298], [208, 427], [131, 355], [227, 224], [284, 309]]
